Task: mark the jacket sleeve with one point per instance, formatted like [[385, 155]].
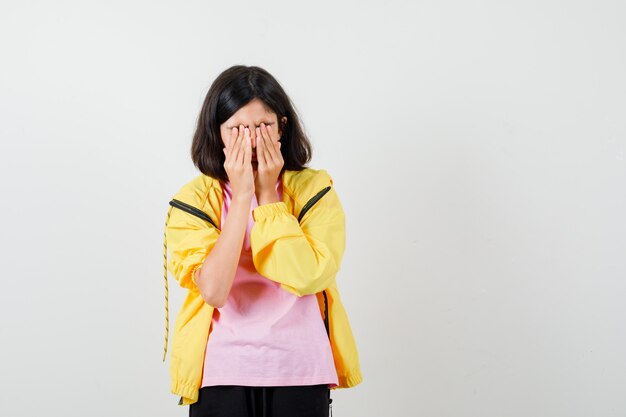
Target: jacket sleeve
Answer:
[[190, 240], [303, 256]]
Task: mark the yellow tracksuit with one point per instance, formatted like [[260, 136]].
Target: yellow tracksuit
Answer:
[[298, 242]]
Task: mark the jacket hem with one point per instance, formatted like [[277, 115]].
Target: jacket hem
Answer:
[[349, 381], [189, 393]]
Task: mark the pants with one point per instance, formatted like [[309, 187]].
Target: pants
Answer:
[[244, 401]]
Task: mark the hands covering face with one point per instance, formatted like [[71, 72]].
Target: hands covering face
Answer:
[[267, 164], [269, 158]]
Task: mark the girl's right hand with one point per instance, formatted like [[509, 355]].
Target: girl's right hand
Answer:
[[238, 163]]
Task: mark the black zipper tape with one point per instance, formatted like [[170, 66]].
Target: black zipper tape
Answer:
[[306, 208], [192, 210], [312, 201], [326, 324]]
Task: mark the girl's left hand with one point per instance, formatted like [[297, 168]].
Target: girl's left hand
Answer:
[[270, 162]]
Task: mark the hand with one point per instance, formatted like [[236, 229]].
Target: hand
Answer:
[[270, 163], [238, 163]]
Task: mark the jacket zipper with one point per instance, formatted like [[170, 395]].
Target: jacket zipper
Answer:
[[306, 207], [312, 201], [201, 214], [192, 210]]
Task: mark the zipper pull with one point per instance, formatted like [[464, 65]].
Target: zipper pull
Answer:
[[330, 405]]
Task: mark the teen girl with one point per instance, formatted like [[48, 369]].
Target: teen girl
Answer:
[[257, 240]]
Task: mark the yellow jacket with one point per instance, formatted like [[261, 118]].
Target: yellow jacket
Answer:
[[298, 242]]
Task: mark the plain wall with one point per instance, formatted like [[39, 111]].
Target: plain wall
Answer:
[[478, 149]]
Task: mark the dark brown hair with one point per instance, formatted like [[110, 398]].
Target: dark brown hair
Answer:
[[232, 89]]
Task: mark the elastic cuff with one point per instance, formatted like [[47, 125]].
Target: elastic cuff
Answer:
[[271, 209]]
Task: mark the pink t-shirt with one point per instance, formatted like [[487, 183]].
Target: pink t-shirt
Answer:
[[264, 335]]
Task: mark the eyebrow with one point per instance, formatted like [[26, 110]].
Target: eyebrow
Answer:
[[257, 124]]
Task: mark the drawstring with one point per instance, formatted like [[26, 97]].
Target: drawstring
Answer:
[[167, 318], [330, 404]]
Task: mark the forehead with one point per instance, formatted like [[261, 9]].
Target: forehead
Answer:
[[254, 112]]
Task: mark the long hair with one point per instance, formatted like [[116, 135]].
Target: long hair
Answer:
[[232, 89]]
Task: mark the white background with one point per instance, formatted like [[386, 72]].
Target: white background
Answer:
[[478, 149]]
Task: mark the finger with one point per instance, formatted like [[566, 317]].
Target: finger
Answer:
[[234, 146], [277, 144], [232, 136], [237, 132], [260, 149], [266, 152], [237, 148], [242, 147], [247, 157], [270, 133], [269, 144]]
